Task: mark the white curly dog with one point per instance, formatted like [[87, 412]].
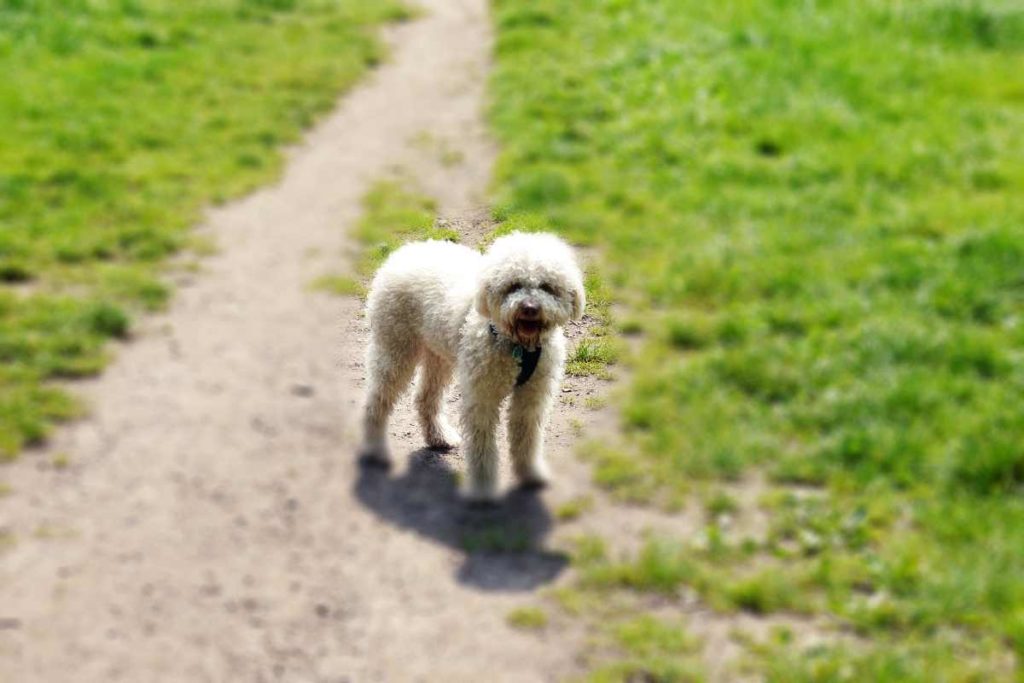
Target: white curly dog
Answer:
[[497, 319]]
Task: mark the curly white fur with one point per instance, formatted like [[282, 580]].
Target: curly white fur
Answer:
[[432, 304]]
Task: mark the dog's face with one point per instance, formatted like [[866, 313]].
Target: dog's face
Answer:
[[530, 285]]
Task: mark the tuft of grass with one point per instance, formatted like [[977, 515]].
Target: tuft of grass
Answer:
[[393, 215], [527, 618], [651, 649], [574, 509], [647, 636], [768, 591], [339, 285], [720, 503], [617, 470], [119, 122], [660, 567], [590, 357]]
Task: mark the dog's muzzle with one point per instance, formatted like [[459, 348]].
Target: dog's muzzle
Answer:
[[529, 322]]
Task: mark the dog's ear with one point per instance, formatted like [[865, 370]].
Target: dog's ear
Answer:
[[481, 304], [578, 294]]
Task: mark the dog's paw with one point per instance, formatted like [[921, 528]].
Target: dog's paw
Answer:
[[480, 494], [375, 456], [482, 504], [442, 436], [535, 476]]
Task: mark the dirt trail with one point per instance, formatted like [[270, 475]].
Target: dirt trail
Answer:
[[212, 524]]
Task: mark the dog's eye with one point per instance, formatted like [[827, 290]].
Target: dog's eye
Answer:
[[514, 287], [550, 289]]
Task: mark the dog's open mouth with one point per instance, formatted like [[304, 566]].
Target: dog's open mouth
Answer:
[[528, 328]]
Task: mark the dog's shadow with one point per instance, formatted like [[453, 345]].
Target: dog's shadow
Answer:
[[502, 545]]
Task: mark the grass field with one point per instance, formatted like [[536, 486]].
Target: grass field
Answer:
[[814, 212], [119, 121]]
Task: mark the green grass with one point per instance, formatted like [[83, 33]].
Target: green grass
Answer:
[[651, 650], [820, 207], [395, 213], [527, 618], [339, 285], [120, 121], [574, 508]]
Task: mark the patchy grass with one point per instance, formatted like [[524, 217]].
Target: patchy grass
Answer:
[[393, 214], [650, 649], [821, 207], [120, 121], [590, 357], [916, 661]]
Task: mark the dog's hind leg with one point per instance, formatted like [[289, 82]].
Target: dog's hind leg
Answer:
[[435, 374], [389, 369]]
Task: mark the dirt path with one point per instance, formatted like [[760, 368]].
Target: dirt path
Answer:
[[211, 523]]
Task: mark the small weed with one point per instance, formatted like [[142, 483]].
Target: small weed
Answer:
[[452, 157], [631, 327], [339, 285], [619, 472], [574, 509], [590, 357], [527, 618]]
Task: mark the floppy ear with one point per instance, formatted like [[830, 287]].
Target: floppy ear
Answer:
[[481, 304], [579, 298]]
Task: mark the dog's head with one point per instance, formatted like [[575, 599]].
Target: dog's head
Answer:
[[530, 284]]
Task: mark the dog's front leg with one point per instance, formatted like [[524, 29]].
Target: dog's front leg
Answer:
[[528, 416], [480, 410]]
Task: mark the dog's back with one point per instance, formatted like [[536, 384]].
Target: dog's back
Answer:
[[421, 294]]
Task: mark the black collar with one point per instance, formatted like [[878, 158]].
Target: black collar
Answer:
[[526, 359]]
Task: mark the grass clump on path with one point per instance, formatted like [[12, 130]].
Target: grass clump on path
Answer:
[[119, 121], [821, 207], [395, 213]]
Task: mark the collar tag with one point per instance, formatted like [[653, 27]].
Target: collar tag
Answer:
[[527, 360]]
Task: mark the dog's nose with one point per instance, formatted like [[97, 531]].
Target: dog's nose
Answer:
[[529, 309]]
